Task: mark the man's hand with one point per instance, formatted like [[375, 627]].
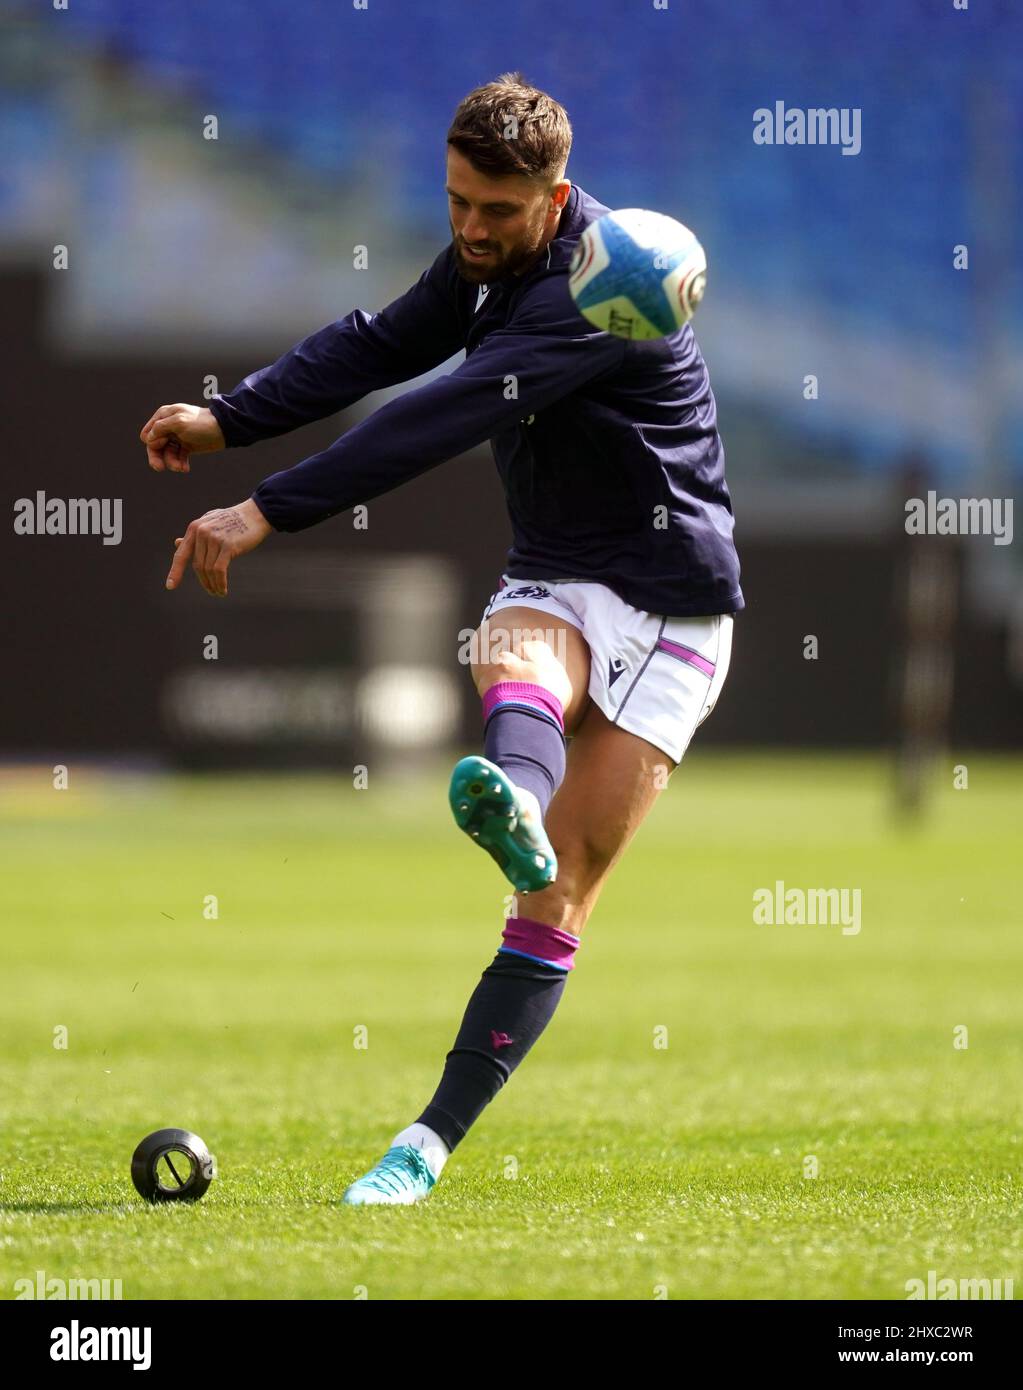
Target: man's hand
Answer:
[[175, 431], [212, 542]]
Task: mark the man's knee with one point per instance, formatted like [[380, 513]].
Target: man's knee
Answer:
[[505, 665], [533, 663]]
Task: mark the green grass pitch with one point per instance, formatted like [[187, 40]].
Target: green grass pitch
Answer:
[[609, 1168]]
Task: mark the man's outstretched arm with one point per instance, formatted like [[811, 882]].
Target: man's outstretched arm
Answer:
[[543, 354], [332, 368], [342, 362]]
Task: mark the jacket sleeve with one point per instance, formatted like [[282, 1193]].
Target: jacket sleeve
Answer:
[[544, 352], [341, 363]]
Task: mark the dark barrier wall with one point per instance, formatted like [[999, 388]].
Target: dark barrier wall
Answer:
[[91, 636]]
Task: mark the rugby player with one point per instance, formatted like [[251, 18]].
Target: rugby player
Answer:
[[611, 625]]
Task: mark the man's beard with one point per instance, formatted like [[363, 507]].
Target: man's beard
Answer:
[[496, 265]]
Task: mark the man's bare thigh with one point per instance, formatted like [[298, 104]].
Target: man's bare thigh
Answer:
[[612, 779], [522, 643]]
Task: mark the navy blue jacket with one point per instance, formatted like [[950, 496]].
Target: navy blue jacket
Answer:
[[608, 449]]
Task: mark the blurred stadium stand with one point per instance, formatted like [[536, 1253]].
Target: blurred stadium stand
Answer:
[[191, 256]]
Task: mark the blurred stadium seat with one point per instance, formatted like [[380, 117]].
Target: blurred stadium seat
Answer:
[[213, 257]]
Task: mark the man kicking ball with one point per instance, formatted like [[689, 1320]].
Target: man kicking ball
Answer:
[[612, 623]]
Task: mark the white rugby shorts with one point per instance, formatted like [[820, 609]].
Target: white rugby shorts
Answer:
[[657, 677]]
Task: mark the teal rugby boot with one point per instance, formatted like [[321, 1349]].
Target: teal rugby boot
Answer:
[[400, 1178], [504, 820]]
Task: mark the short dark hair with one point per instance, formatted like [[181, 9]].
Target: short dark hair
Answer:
[[509, 127]]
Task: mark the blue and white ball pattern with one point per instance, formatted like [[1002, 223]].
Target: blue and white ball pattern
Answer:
[[638, 274]]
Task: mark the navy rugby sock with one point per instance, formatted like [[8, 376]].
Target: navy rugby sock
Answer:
[[524, 734], [511, 1006]]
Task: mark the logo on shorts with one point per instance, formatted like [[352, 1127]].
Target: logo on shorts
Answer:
[[527, 591], [615, 667]]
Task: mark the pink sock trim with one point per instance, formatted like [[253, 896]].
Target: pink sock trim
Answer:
[[541, 941], [523, 693]]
